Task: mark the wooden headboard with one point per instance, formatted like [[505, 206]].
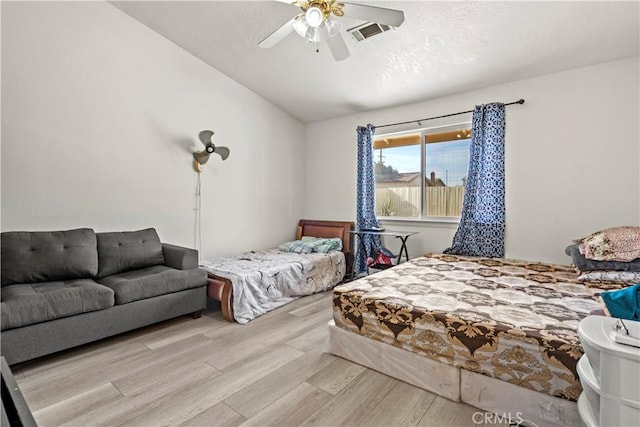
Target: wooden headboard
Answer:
[[329, 229]]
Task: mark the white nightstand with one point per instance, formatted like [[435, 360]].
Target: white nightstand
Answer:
[[610, 375]]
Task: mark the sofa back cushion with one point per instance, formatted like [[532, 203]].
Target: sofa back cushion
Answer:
[[129, 250], [43, 256]]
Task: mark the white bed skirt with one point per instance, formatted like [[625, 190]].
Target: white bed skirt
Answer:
[[506, 400]]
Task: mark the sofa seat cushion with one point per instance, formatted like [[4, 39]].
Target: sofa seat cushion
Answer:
[[152, 281], [29, 303]]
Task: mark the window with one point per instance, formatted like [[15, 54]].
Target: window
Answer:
[[422, 174]]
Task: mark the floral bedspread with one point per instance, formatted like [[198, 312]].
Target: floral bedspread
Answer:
[[265, 280], [512, 320]]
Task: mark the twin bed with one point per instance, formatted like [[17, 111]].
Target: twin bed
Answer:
[[253, 283]]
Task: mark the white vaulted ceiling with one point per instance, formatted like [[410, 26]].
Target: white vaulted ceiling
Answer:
[[442, 48]]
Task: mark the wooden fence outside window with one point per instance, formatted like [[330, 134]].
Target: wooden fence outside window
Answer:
[[405, 201]]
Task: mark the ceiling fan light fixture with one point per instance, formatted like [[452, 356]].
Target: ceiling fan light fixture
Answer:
[[333, 27], [314, 16], [313, 35], [300, 25]]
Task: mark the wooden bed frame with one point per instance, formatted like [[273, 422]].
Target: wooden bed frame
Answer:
[[221, 289]]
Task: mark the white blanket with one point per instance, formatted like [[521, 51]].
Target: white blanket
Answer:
[[264, 280]]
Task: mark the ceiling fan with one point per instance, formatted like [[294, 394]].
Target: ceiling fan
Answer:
[[202, 157], [317, 22]]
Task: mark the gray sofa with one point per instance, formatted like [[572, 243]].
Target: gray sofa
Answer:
[[61, 289]]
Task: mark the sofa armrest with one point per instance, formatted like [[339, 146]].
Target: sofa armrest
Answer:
[[180, 257]]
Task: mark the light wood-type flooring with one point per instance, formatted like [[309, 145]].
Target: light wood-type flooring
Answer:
[[209, 372]]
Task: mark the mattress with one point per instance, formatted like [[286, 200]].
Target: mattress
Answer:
[[265, 280], [515, 321]]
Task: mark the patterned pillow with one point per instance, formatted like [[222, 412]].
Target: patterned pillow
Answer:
[[310, 244], [327, 245], [612, 244], [297, 246], [626, 277]]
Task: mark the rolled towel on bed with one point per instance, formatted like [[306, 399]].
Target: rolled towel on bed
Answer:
[[623, 303]]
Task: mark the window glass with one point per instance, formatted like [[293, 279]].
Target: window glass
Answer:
[[397, 172], [446, 172], [422, 174]]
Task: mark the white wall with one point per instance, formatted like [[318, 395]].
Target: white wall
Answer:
[[97, 115], [572, 159]]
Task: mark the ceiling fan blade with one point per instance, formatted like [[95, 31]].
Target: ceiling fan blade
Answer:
[[201, 157], [380, 15], [278, 34], [337, 46], [223, 152], [205, 136]]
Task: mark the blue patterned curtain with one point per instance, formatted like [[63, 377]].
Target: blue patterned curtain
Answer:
[[482, 221], [366, 198]]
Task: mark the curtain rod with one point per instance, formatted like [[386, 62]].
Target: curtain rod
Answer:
[[519, 101]]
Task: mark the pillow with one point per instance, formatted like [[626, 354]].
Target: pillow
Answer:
[[43, 256], [297, 246], [129, 250], [626, 277], [584, 264], [310, 244], [612, 244], [623, 303], [328, 245]]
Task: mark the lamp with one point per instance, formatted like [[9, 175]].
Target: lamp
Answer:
[[314, 16], [319, 13], [300, 25]]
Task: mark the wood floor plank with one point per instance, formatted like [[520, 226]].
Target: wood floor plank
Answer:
[[405, 405], [46, 368], [154, 376], [176, 408], [315, 338], [219, 415], [123, 411], [336, 376], [444, 412], [313, 304], [58, 414], [352, 403], [260, 394], [234, 347], [291, 409], [77, 381], [179, 332], [61, 384]]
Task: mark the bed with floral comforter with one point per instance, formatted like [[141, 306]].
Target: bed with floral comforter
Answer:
[[511, 320]]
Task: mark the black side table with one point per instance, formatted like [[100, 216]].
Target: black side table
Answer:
[[402, 235]]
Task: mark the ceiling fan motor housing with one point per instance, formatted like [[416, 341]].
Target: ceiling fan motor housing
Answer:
[[324, 7]]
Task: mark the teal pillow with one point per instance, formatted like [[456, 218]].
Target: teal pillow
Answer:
[[310, 244], [623, 303], [297, 246], [327, 245]]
